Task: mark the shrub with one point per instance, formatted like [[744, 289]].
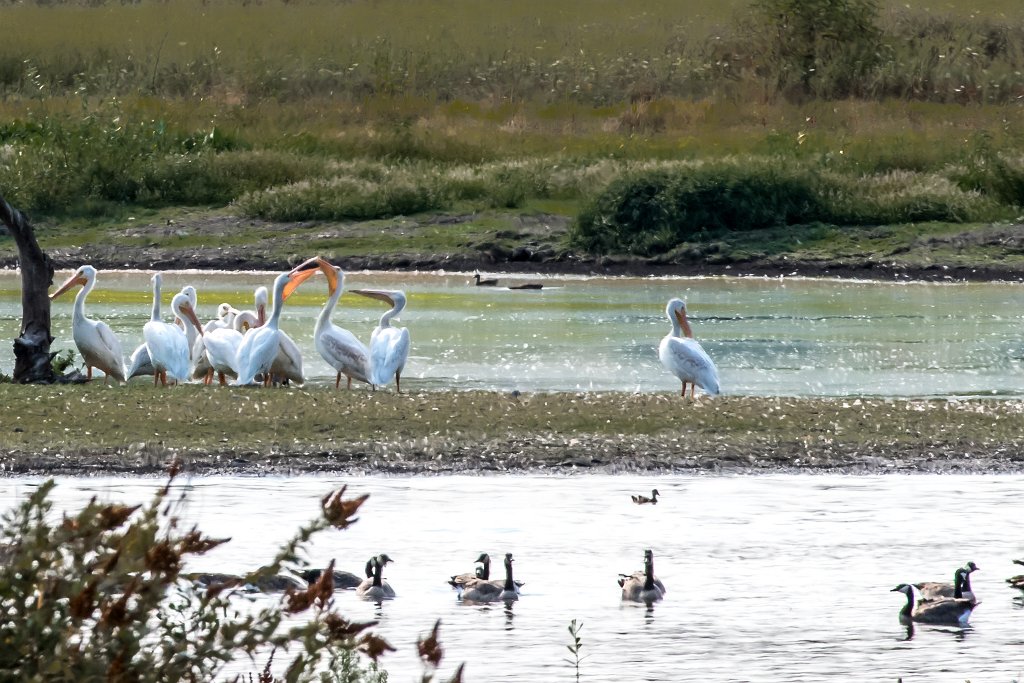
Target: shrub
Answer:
[[649, 212], [99, 595]]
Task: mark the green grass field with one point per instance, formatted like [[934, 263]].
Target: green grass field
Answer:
[[362, 110]]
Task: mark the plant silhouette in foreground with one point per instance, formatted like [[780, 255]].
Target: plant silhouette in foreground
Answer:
[[99, 595], [577, 644]]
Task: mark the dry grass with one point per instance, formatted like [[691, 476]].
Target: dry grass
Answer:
[[140, 425]]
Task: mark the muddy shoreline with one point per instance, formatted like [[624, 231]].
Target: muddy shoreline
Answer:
[[528, 243], [566, 264], [89, 430], [631, 456]]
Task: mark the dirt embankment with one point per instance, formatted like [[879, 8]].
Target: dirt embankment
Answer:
[[135, 429], [519, 243]]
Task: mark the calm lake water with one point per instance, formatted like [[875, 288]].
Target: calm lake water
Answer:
[[770, 578], [768, 336]]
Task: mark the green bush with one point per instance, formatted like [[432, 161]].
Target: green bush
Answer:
[[650, 212], [99, 595], [901, 197], [346, 197]]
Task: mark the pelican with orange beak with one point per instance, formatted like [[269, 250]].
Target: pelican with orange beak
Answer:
[[260, 346], [389, 346], [167, 344], [99, 346], [683, 356], [339, 347]]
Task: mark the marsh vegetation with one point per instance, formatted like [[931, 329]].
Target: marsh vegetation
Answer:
[[904, 115]]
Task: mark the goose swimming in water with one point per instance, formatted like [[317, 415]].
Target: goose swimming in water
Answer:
[[482, 572], [960, 588], [643, 500], [642, 586], [459, 581], [483, 590], [946, 611], [375, 587]]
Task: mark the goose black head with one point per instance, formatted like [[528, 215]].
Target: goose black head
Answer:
[[484, 557], [383, 559], [971, 567]]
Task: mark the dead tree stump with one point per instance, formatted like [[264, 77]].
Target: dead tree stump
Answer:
[[32, 356]]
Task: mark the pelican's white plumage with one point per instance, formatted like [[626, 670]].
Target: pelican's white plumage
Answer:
[[96, 342], [261, 345], [683, 356], [166, 343], [389, 346], [221, 350], [139, 363], [339, 347], [287, 363], [191, 331], [201, 368]]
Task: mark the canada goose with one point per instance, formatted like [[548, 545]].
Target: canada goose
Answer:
[[273, 583], [341, 579], [960, 588], [482, 590], [642, 586], [949, 611], [375, 588], [485, 283], [483, 572], [642, 500]]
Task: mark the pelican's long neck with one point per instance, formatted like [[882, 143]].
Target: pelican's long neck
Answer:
[[78, 313], [155, 315], [676, 330], [385, 320], [328, 310], [275, 310]]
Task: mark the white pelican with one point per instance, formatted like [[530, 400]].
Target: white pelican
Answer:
[[139, 363], [261, 345], [201, 368], [96, 342], [389, 346], [683, 356], [245, 321], [287, 365], [191, 331], [221, 352], [339, 347], [166, 343]]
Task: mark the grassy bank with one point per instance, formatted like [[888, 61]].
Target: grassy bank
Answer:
[[136, 428], [363, 112]]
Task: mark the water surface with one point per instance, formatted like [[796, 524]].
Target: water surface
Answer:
[[770, 578], [768, 336]]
